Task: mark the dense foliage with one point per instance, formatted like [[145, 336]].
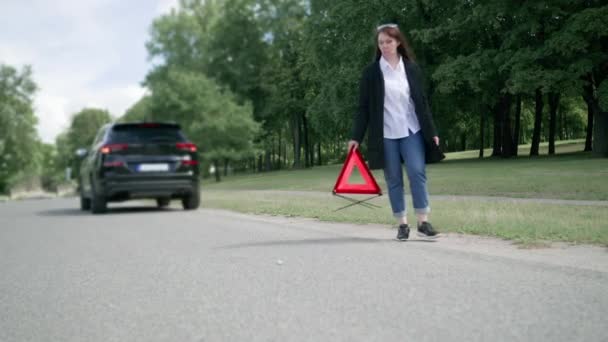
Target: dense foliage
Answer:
[[19, 143], [500, 73]]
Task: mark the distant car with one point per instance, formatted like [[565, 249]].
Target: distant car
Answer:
[[139, 160]]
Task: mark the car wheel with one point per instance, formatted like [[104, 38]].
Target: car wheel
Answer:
[[85, 203], [163, 202], [98, 202], [192, 201]]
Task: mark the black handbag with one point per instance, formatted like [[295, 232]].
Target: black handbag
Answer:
[[432, 152]]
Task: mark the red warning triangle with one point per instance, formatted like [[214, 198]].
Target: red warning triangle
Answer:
[[354, 159]]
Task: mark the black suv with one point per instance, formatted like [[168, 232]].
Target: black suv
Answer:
[[139, 160]]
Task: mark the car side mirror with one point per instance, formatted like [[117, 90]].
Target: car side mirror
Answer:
[[82, 152]]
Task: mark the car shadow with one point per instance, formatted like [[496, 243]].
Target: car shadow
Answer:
[[111, 211]]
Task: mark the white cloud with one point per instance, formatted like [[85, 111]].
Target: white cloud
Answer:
[[116, 100], [16, 54], [83, 53], [54, 112], [51, 111]]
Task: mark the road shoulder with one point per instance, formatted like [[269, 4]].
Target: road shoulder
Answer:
[[587, 257]]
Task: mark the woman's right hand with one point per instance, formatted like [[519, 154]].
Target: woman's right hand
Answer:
[[352, 143]]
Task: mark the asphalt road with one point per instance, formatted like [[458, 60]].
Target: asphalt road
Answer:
[[142, 274]]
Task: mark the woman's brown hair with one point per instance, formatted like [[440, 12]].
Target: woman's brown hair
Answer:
[[404, 48]]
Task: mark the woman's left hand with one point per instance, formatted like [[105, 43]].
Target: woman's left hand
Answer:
[[436, 140]]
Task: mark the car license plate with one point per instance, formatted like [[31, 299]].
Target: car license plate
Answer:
[[153, 167]]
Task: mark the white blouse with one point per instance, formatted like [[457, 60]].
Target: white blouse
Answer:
[[399, 112]]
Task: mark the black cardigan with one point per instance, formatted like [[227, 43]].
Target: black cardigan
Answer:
[[371, 110]]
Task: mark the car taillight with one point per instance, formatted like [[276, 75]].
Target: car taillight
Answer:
[[189, 162], [106, 149], [186, 147]]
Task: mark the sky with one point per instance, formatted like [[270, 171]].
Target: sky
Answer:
[[83, 53]]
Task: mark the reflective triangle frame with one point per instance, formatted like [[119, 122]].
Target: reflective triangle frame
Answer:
[[370, 187], [342, 186]]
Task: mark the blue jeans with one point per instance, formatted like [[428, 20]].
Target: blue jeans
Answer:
[[411, 151]]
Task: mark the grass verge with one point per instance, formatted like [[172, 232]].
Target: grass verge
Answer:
[[530, 224], [568, 176]]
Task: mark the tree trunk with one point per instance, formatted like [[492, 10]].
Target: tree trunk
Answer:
[[496, 146], [312, 153], [267, 165], [488, 130], [226, 162], [589, 133], [507, 134], [279, 166], [319, 159], [296, 141], [538, 119], [463, 141], [307, 159], [553, 104], [273, 153], [517, 125], [597, 118], [561, 131], [600, 135], [588, 97], [216, 166], [482, 126], [285, 160]]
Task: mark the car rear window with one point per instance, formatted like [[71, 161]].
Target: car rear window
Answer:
[[146, 134]]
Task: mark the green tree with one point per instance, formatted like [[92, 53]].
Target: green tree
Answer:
[[138, 112], [50, 173], [84, 126], [467, 44], [583, 46], [284, 85], [18, 136], [210, 116], [181, 38], [214, 40]]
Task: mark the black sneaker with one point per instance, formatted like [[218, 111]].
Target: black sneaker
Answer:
[[404, 232], [426, 230]]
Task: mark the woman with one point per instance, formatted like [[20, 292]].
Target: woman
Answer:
[[392, 103]]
